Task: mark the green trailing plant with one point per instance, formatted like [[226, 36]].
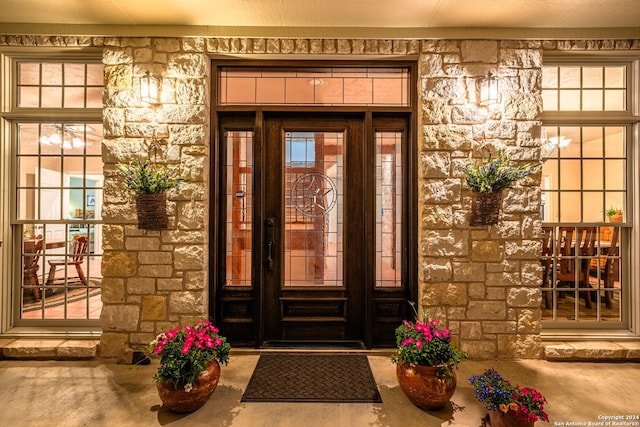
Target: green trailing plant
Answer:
[[423, 342], [146, 177], [496, 174]]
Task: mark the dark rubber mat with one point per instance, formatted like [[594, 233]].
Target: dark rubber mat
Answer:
[[312, 378]]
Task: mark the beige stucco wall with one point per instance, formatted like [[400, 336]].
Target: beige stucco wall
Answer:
[[483, 281]]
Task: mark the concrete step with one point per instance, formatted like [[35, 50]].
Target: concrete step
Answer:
[[65, 349], [51, 349], [592, 350]]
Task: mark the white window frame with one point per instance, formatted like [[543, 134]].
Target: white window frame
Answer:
[[630, 325], [10, 323]]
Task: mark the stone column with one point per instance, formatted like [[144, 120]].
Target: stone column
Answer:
[[154, 280], [483, 281]]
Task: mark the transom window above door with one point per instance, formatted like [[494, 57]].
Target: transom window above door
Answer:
[[314, 86]]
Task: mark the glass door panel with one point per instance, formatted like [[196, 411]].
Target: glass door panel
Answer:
[[313, 209], [239, 203], [389, 209]]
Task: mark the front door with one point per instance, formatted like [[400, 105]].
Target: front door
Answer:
[[313, 230], [311, 238]]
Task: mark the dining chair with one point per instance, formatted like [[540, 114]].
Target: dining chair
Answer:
[[76, 258], [575, 243], [31, 264], [546, 260], [610, 267]]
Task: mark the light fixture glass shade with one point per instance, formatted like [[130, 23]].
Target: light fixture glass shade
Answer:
[[55, 139], [560, 141], [550, 144], [488, 87], [67, 136], [150, 88]]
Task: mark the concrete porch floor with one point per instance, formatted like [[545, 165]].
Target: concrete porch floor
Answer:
[[99, 392]]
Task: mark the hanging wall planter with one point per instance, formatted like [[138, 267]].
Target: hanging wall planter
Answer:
[[485, 208], [487, 181], [149, 183], [152, 211]]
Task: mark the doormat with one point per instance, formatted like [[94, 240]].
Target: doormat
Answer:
[[345, 378]]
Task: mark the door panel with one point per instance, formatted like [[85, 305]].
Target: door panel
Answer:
[[312, 238], [307, 293]]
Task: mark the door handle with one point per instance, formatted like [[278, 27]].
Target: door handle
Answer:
[[269, 233]]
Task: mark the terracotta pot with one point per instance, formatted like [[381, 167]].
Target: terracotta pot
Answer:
[[617, 217], [500, 419], [178, 400], [152, 211], [422, 386]]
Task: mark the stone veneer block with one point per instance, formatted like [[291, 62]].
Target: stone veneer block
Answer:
[[599, 350], [592, 350], [31, 349], [558, 351], [154, 308], [632, 348], [78, 349]]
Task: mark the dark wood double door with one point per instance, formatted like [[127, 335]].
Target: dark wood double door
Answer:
[[301, 257]]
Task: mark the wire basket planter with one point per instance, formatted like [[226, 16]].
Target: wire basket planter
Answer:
[[485, 208]]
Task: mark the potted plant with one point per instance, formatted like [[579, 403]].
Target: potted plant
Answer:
[[487, 180], [149, 183], [614, 214], [426, 361], [508, 405], [190, 358]]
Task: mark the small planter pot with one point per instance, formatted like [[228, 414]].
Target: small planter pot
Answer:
[[485, 208], [500, 419], [178, 400], [423, 387], [152, 211]]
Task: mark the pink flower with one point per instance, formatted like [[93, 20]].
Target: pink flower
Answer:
[[407, 342], [418, 344]]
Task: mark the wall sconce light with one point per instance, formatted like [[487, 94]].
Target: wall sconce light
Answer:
[[150, 88], [488, 88]]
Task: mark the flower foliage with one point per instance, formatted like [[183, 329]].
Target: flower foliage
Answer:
[[424, 342], [185, 351], [498, 394], [496, 174], [146, 177]]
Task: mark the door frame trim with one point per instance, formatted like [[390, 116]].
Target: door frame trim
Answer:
[[252, 116]]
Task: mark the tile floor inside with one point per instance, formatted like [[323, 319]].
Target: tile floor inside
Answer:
[[100, 392]]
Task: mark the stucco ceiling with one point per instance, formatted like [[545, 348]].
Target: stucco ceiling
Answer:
[[328, 14]]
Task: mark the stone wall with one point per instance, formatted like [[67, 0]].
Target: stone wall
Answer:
[[154, 279], [483, 281]]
